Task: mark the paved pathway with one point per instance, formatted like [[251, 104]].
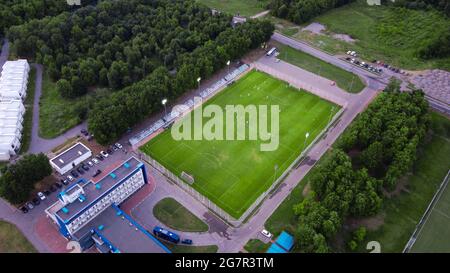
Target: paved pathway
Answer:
[[39, 144], [261, 14]]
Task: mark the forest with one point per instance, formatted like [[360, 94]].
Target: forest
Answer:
[[371, 156], [141, 50], [16, 12], [301, 11]]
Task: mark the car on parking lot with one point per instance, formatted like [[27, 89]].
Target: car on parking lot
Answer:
[[47, 192], [104, 154], [74, 173], [58, 185], [97, 173], [90, 163], [70, 178], [41, 196], [100, 157], [109, 151], [118, 145], [187, 242], [64, 182], [52, 188], [24, 209], [266, 233], [95, 160], [85, 167], [84, 132], [29, 206], [80, 170], [36, 201]]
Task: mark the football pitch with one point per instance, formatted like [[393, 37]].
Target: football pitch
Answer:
[[434, 235], [234, 173]]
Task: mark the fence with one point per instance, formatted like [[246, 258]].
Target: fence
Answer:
[[427, 213], [301, 85], [216, 209]]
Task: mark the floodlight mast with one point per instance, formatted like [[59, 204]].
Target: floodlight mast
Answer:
[[198, 80], [164, 102], [228, 66]]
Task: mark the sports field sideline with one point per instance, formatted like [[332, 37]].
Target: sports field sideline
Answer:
[[233, 174]]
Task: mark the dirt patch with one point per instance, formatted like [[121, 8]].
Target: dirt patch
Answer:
[[319, 29], [371, 223], [399, 188], [306, 190]]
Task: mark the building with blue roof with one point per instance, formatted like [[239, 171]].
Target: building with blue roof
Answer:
[[283, 244], [85, 206]]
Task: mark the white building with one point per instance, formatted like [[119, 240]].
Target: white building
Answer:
[[71, 157], [13, 89]]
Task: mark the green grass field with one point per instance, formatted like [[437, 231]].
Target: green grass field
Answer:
[[175, 216], [243, 7], [433, 236], [234, 173], [381, 32], [344, 79], [13, 241]]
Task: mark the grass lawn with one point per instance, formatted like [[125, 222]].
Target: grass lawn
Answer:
[[28, 118], [243, 7], [402, 213], [256, 246], [344, 79], [382, 33], [433, 237], [221, 167], [56, 114], [13, 241], [174, 215]]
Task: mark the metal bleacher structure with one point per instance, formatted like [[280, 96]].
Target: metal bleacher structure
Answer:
[[190, 104]]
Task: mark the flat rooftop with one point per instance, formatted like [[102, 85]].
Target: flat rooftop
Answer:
[[69, 155], [92, 190], [123, 232]]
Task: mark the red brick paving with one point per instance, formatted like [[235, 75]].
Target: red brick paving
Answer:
[[49, 234], [139, 196]]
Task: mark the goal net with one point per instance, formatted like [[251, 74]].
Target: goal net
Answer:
[[187, 177]]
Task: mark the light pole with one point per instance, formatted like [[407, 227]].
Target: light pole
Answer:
[[164, 101], [306, 137], [331, 112], [228, 66], [198, 80], [275, 168]]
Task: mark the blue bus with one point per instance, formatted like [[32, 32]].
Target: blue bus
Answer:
[[166, 235]]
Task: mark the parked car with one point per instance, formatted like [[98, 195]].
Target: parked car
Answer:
[[84, 132], [58, 185], [41, 196], [114, 148], [74, 174], [70, 178], [95, 160], [24, 209], [118, 145], [100, 157], [90, 163], [109, 151], [80, 170], [266, 233], [104, 154], [47, 192], [65, 182], [85, 167], [36, 201], [29, 206], [90, 137], [97, 173], [187, 242]]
